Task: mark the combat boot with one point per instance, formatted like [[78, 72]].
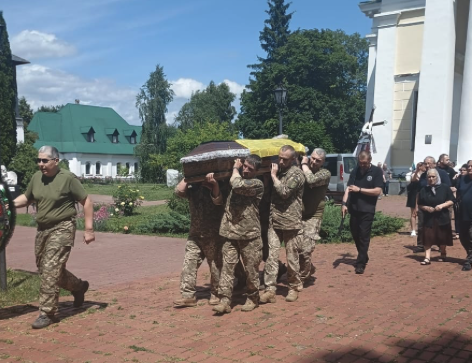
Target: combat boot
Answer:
[[222, 308], [214, 300], [185, 302], [250, 305], [267, 297], [292, 296], [44, 321], [79, 296]]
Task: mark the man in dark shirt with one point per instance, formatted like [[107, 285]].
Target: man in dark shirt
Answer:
[[443, 164], [429, 163], [464, 193], [364, 187]]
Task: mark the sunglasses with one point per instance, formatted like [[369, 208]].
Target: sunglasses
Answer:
[[44, 161]]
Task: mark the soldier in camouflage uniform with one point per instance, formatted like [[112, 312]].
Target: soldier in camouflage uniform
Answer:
[[285, 224], [316, 184], [206, 210], [55, 192], [241, 228]]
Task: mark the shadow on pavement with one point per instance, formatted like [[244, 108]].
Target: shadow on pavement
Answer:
[[66, 309], [347, 259], [439, 346], [434, 258]]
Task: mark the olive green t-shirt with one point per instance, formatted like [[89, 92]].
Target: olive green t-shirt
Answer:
[[55, 196]]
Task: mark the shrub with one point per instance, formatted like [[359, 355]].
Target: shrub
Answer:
[[101, 214], [382, 225], [171, 222], [179, 205], [126, 199]]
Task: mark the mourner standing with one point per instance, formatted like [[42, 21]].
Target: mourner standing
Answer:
[[55, 192], [241, 228], [464, 193], [204, 241], [363, 189], [285, 224], [316, 184]]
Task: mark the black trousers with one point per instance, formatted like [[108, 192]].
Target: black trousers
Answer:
[[465, 235], [361, 225]]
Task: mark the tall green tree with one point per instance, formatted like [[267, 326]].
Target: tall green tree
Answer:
[[152, 101], [7, 98], [325, 74], [212, 104], [258, 108], [25, 110]]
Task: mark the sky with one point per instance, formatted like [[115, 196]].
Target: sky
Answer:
[[102, 51]]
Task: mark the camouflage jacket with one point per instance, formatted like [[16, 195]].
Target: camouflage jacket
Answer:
[[205, 211], [316, 185], [286, 201], [241, 217]]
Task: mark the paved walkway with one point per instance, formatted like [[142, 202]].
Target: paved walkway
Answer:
[[398, 311]]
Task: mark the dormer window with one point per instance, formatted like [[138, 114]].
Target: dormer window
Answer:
[[114, 138], [130, 135], [113, 135], [91, 136], [88, 132]]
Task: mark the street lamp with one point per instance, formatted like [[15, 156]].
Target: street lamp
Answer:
[[280, 94]]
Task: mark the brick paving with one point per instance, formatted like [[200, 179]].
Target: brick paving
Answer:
[[398, 311]]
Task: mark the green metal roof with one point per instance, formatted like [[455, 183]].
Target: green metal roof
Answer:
[[67, 130]]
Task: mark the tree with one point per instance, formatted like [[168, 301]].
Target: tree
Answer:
[[212, 104], [152, 101], [276, 31], [54, 109], [257, 102], [311, 135], [324, 72], [185, 141], [26, 112], [7, 98]]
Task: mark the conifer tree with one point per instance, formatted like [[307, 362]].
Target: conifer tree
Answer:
[[7, 98]]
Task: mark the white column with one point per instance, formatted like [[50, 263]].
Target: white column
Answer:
[[436, 80], [384, 83], [464, 145], [372, 38]]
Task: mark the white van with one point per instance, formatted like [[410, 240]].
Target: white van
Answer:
[[340, 167]]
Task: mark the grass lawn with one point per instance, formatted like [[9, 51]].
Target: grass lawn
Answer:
[[23, 288], [148, 191]]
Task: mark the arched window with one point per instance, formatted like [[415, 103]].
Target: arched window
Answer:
[[135, 168], [118, 168], [127, 167], [98, 168], [87, 168]]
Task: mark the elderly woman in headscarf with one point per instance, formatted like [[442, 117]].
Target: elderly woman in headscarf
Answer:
[[434, 200]]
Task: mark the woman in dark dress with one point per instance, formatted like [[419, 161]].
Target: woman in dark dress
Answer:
[[456, 182], [413, 189], [434, 200]]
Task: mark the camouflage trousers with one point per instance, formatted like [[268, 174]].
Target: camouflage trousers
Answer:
[[292, 239], [311, 230], [52, 249], [251, 254], [196, 250]]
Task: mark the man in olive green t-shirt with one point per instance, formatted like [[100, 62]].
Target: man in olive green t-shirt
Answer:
[[316, 185], [55, 192]]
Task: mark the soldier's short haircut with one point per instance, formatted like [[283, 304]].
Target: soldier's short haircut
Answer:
[[289, 148], [430, 158], [51, 151], [441, 157], [364, 155], [320, 152], [254, 160]]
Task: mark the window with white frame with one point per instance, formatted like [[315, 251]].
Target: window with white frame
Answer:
[[98, 168], [87, 168]]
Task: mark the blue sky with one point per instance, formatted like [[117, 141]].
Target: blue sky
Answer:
[[102, 51]]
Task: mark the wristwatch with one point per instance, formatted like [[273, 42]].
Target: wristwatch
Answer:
[[343, 203]]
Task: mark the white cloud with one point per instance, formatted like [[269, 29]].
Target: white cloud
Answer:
[[234, 87], [184, 87], [33, 44], [45, 86]]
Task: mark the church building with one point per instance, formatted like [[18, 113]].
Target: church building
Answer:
[[420, 80]]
